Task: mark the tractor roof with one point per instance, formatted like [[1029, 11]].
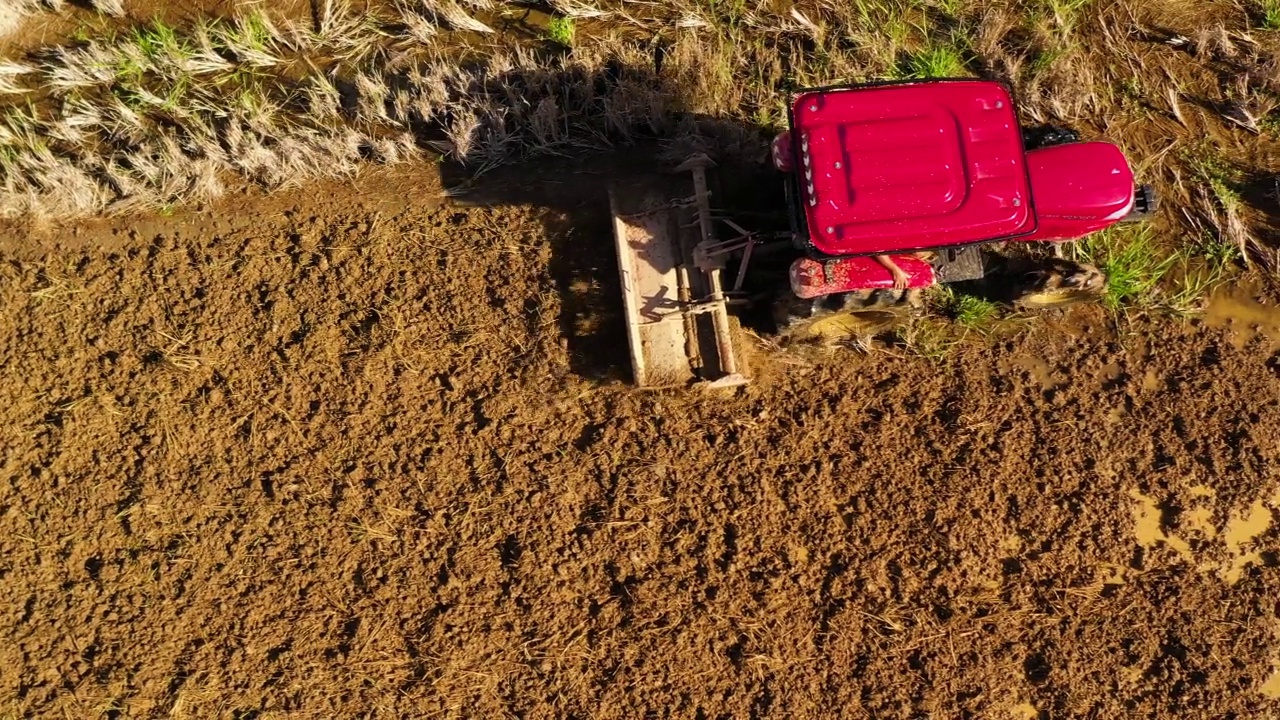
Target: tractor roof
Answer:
[[886, 168]]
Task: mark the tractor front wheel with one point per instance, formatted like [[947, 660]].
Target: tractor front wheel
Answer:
[[1059, 283]]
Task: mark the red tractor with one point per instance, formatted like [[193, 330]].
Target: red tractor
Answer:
[[892, 188]]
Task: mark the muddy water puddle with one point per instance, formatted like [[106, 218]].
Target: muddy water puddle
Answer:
[[1238, 536], [1238, 310], [1271, 688]]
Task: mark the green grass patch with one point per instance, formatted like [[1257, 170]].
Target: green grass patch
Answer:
[[950, 8], [158, 42], [129, 69], [1044, 60], [1215, 172], [974, 312], [1142, 274], [253, 31], [1190, 285], [1217, 252], [935, 61], [560, 30], [1133, 261], [968, 311], [1203, 268], [1270, 11]]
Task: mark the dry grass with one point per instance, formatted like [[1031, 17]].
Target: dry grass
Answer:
[[161, 115], [13, 12]]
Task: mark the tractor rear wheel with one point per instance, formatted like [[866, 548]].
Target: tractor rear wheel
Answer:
[[841, 317]]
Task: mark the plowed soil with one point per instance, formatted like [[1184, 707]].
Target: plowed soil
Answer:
[[361, 452]]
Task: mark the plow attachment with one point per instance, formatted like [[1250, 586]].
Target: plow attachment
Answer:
[[677, 317]]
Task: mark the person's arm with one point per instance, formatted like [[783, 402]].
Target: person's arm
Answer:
[[900, 279]]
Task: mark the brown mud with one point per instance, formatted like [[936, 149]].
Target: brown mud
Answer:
[[354, 450]]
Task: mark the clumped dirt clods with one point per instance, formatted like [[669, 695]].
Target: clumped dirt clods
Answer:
[[350, 452]]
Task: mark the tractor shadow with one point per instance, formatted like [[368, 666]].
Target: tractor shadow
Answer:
[[572, 195], [570, 189]]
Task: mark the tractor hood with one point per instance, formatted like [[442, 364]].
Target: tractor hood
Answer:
[[889, 168]]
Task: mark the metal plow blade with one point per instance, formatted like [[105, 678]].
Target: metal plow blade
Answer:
[[677, 319]]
